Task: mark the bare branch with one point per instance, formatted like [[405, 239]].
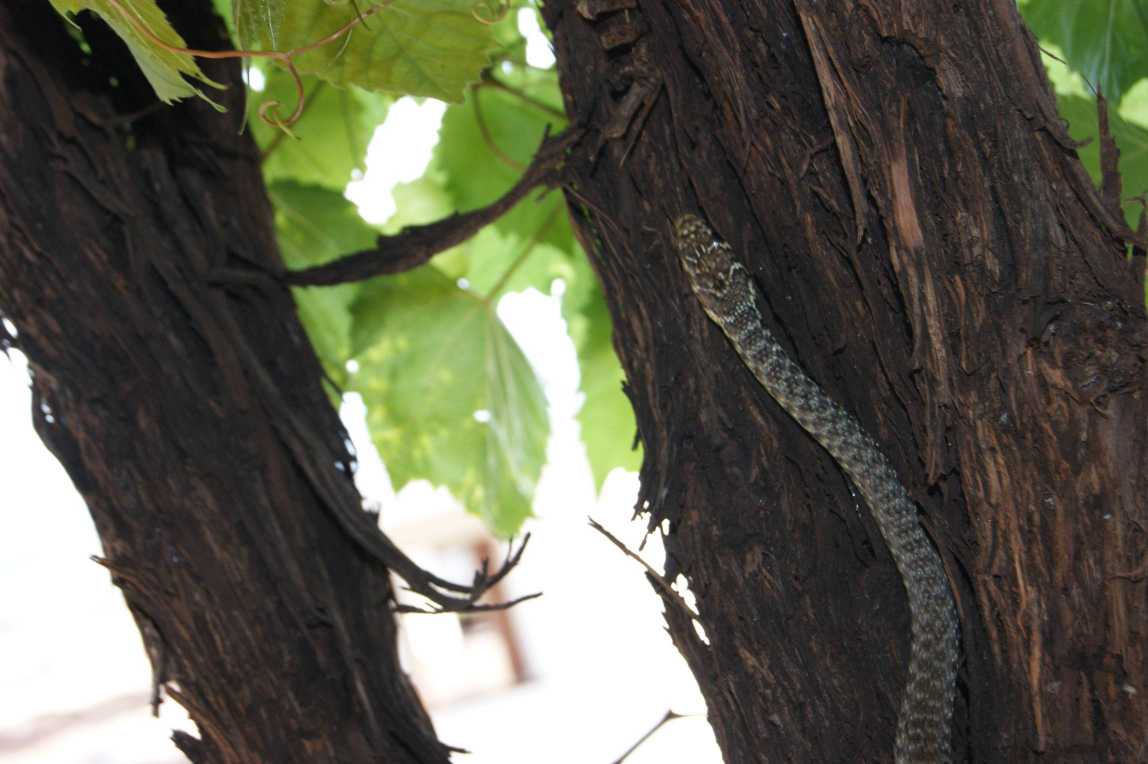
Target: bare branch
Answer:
[[416, 245]]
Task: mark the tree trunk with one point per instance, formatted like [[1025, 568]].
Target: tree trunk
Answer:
[[191, 417], [896, 178], [894, 175]]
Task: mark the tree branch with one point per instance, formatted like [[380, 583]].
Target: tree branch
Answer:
[[416, 245], [489, 80]]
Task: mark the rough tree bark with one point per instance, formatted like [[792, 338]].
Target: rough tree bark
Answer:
[[893, 173], [191, 417], [896, 177]]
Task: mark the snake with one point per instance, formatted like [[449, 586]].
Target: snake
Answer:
[[726, 291]]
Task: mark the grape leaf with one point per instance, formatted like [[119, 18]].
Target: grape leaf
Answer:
[[487, 141], [415, 47], [499, 263], [1131, 139], [169, 72], [606, 417], [490, 258], [419, 202], [1104, 41], [314, 225], [480, 154], [328, 142], [257, 20], [484, 145], [450, 396]]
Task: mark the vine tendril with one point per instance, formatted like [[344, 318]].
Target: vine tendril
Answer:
[[269, 110], [488, 12]]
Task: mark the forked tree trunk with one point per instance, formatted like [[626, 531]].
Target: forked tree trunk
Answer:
[[896, 177], [191, 418]]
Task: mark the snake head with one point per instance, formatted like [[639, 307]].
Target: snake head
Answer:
[[716, 277]]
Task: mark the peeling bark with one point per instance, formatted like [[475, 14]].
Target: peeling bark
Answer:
[[896, 177]]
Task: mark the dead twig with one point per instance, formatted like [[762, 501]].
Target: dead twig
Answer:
[[657, 578], [669, 716]]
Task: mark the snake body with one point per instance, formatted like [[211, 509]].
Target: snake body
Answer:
[[725, 290]]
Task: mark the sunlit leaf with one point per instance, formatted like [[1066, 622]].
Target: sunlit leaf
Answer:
[[257, 20], [1131, 139], [414, 47], [315, 225], [500, 262], [450, 397], [420, 201], [487, 141], [484, 144], [150, 38], [1104, 41], [328, 142], [606, 417]]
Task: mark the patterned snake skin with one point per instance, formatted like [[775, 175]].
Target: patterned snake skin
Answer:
[[726, 292]]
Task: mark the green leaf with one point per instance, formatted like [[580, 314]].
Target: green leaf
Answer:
[[606, 418], [414, 47], [257, 20], [1131, 139], [485, 144], [480, 155], [1104, 41], [419, 202], [166, 70], [533, 265], [315, 225], [433, 356], [494, 257], [330, 140]]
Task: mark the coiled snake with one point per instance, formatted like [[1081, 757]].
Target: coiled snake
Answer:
[[726, 292]]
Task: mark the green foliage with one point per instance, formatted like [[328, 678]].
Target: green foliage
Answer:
[[169, 72], [1130, 137], [449, 395], [328, 142], [487, 141], [430, 356], [1103, 43], [606, 418], [314, 225], [413, 47], [484, 143], [258, 20]]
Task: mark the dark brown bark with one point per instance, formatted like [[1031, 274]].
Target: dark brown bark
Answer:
[[897, 179], [191, 417]]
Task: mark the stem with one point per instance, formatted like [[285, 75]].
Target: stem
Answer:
[[518, 261], [307, 101], [286, 58], [488, 139], [669, 717], [489, 80]]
